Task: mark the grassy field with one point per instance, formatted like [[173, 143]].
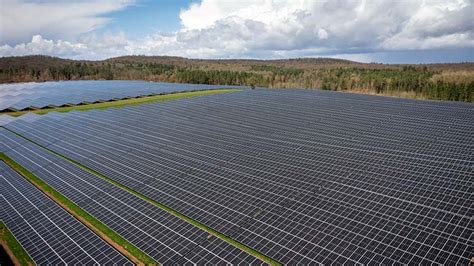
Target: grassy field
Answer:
[[170, 210], [19, 254], [129, 250], [126, 102]]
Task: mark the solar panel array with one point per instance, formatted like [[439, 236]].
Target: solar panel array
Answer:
[[164, 237], [23, 95], [48, 233], [301, 176]]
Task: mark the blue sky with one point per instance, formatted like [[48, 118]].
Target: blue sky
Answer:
[[147, 17], [386, 31]]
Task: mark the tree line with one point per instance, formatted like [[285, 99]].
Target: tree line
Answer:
[[406, 81]]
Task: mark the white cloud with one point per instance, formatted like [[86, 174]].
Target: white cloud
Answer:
[[277, 28], [38, 45], [19, 20], [322, 34], [90, 48], [446, 24], [290, 27]]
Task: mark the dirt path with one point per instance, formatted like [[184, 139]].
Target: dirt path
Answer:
[[10, 253]]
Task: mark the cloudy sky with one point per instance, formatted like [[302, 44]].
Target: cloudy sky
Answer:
[[387, 31]]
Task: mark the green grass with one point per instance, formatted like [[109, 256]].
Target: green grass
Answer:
[[211, 231], [126, 102], [77, 211], [15, 247]]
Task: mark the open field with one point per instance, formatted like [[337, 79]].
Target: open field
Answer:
[[265, 175]]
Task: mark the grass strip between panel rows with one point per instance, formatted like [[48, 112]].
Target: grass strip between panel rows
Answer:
[[211, 231], [129, 250], [125, 102], [13, 248]]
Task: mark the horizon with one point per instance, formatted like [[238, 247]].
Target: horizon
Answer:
[[402, 32]]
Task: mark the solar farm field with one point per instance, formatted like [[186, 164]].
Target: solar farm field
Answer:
[[262, 176], [33, 95]]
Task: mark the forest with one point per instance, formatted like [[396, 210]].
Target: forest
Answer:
[[439, 81]]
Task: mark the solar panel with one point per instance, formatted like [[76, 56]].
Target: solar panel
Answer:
[[301, 176], [48, 233], [43, 94], [159, 234]]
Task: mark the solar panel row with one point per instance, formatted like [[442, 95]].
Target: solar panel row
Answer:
[[49, 234], [23, 95], [300, 176], [164, 237]]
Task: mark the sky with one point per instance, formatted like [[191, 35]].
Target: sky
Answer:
[[383, 31]]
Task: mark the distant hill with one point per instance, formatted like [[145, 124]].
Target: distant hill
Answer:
[[42, 61], [433, 81], [32, 61], [279, 62]]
